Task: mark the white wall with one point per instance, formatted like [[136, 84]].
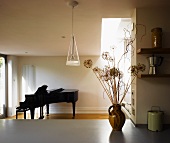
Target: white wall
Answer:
[[53, 72], [153, 91]]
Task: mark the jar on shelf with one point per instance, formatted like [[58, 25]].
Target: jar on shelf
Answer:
[[156, 37]]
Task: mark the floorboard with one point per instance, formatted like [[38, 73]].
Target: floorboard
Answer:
[[65, 116]]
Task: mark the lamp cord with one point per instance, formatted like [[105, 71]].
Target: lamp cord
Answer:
[[72, 50], [72, 20]]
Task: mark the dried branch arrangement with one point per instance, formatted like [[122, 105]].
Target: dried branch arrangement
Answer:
[[111, 77]]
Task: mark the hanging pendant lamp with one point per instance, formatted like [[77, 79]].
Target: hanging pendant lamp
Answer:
[[73, 57]]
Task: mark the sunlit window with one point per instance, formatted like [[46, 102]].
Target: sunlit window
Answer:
[[109, 32], [113, 36], [2, 85]]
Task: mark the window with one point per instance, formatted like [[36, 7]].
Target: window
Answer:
[[2, 85], [113, 36]]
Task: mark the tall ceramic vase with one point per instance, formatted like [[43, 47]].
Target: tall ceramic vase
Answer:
[[116, 117]]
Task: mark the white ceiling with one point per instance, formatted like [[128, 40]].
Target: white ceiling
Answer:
[[37, 27]]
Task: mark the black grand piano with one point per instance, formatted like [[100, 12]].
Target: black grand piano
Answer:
[[44, 97]]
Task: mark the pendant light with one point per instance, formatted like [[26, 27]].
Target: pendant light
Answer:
[[73, 57]]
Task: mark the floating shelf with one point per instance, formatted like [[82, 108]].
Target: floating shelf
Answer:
[[153, 75], [153, 51]]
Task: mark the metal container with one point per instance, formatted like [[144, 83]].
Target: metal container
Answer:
[[154, 62], [155, 119], [156, 37]]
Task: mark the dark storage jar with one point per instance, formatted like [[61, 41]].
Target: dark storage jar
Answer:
[[156, 37]]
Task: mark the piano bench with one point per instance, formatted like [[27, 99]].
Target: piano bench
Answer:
[[19, 109]]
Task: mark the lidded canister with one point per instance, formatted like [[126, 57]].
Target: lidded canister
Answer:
[[156, 37], [155, 119]]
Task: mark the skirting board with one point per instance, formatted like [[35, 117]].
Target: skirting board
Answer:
[[79, 110], [84, 110]]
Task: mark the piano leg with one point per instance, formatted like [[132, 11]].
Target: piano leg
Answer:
[[47, 107], [32, 112], [73, 105], [41, 112]]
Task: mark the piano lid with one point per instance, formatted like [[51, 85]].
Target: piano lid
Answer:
[[70, 90]]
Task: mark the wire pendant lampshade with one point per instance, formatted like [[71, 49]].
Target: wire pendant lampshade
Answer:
[[73, 57]]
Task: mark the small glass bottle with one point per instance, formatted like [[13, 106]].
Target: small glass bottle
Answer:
[[156, 37]]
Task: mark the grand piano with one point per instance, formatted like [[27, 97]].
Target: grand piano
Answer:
[[44, 97]]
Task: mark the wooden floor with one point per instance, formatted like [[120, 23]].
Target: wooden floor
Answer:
[[65, 116]]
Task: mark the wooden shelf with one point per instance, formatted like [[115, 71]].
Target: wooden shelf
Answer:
[[153, 75], [153, 51]]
